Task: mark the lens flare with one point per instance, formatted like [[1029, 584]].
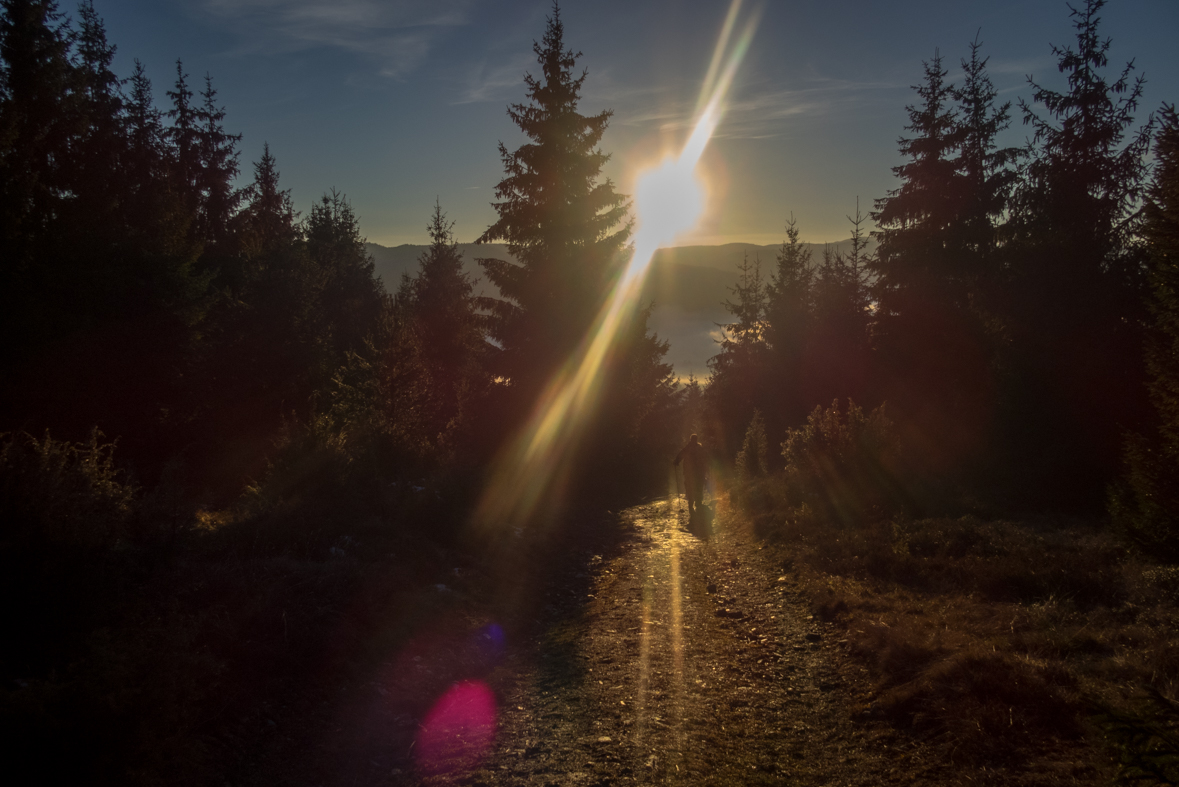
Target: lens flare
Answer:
[[458, 730], [535, 466]]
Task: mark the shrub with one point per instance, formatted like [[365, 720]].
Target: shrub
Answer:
[[842, 465], [751, 461], [1145, 507], [61, 494]]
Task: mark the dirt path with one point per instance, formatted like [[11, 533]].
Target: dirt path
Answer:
[[690, 660]]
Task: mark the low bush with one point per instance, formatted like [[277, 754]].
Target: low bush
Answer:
[[843, 465], [61, 494]]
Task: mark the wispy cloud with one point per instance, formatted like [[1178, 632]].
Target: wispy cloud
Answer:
[[394, 35], [496, 81], [758, 114]]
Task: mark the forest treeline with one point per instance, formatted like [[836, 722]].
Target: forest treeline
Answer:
[[1015, 323], [196, 378], [198, 322], [1016, 317], [205, 393]]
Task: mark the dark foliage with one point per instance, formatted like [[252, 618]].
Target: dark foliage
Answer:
[[1074, 220], [1146, 506]]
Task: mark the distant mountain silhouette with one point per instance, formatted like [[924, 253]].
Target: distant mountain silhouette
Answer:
[[688, 285]]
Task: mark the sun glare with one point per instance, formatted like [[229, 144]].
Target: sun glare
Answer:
[[668, 202], [530, 473]]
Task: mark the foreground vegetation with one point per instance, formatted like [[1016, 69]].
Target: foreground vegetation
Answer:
[[298, 451], [999, 639]]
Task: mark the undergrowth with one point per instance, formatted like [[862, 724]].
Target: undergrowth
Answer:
[[144, 635], [1003, 641]]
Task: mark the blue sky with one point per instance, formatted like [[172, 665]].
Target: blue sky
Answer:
[[397, 102]]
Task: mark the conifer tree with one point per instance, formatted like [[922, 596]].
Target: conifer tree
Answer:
[[1147, 506], [693, 408], [218, 156], [740, 368], [1077, 289], [268, 222], [788, 294], [146, 136], [38, 118], [1084, 181], [936, 254], [988, 171], [916, 256], [564, 224], [350, 298], [838, 355], [439, 303], [98, 173], [184, 134], [789, 322]]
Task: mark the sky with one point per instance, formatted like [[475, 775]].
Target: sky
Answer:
[[397, 103]]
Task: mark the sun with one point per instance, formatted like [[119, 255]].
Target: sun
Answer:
[[669, 200]]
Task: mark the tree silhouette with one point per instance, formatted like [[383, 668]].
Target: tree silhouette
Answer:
[[1077, 289], [1147, 507], [988, 172], [917, 253], [350, 295], [739, 369], [789, 324], [218, 169], [559, 219], [439, 304]]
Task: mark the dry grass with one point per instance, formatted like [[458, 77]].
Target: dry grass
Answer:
[[1003, 642]]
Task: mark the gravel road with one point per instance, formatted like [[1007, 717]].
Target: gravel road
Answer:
[[691, 660]]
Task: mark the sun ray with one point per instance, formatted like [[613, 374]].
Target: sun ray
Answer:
[[535, 466]]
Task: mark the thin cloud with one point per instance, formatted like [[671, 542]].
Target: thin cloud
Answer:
[[496, 82], [764, 114], [396, 36]]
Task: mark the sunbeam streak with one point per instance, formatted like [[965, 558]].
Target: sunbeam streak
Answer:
[[669, 199]]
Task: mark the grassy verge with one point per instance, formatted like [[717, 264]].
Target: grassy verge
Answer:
[[1039, 647]]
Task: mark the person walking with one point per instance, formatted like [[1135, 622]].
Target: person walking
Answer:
[[695, 463]]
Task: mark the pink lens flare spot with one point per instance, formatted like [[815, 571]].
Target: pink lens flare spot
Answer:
[[458, 730]]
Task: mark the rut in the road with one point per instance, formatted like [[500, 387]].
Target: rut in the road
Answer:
[[692, 661]]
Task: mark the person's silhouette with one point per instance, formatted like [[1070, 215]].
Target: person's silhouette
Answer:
[[695, 471]]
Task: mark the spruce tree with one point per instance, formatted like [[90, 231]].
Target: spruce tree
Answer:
[[916, 256], [146, 136], [562, 222], [38, 120], [439, 304], [350, 296], [740, 369], [988, 172], [184, 134], [268, 222], [1146, 507], [837, 356], [936, 257], [789, 322], [98, 171], [1161, 230], [1077, 292], [788, 294], [218, 156]]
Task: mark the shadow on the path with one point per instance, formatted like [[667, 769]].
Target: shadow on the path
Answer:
[[700, 523]]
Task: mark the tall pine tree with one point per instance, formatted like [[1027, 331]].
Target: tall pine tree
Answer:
[[439, 304], [1075, 370], [565, 225], [1147, 506]]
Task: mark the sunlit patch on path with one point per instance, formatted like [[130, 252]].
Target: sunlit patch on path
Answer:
[[690, 661]]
